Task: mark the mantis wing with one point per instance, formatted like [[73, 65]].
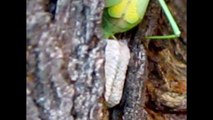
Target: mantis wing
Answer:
[[109, 3], [142, 7]]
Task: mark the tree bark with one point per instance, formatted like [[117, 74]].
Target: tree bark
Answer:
[[166, 84], [65, 64], [65, 58]]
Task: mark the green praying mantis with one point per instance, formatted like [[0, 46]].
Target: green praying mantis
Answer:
[[122, 15]]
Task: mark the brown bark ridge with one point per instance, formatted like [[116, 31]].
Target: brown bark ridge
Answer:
[[65, 64]]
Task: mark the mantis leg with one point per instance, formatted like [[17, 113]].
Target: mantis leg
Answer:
[[114, 37], [171, 21]]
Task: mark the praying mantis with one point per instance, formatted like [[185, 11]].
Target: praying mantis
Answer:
[[122, 15]]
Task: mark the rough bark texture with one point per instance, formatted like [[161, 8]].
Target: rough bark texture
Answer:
[[65, 59]]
